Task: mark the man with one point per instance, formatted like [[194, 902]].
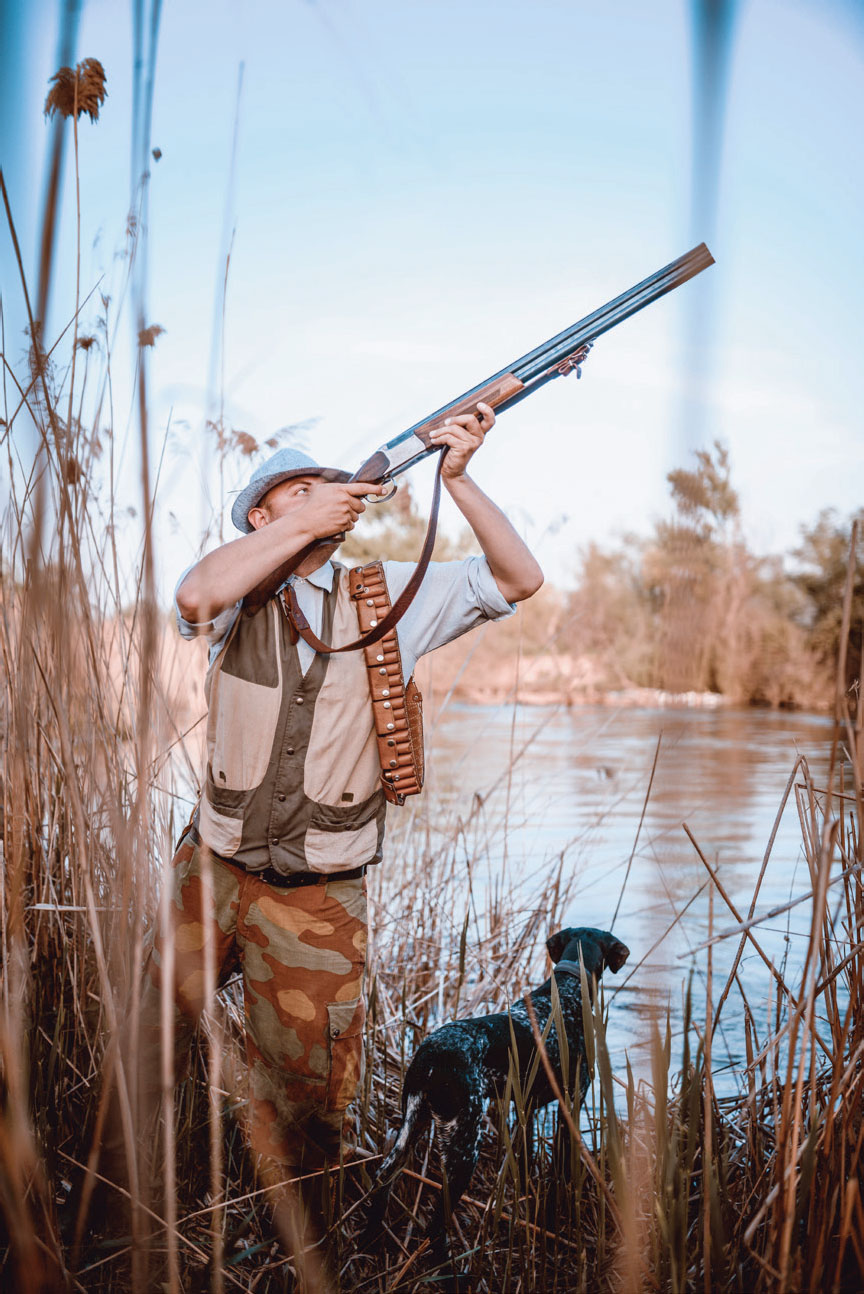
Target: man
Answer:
[[292, 810]]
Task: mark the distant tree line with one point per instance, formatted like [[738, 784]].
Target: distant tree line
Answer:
[[690, 607]]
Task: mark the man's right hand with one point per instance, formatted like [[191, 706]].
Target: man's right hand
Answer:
[[330, 508]]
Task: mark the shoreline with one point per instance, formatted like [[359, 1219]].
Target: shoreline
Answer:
[[622, 698], [631, 698], [480, 676]]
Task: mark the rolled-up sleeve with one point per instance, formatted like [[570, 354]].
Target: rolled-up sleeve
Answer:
[[453, 598], [215, 630]]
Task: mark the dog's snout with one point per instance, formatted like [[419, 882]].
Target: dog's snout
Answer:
[[616, 955]]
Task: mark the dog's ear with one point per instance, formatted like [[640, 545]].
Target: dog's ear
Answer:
[[556, 944], [615, 953]]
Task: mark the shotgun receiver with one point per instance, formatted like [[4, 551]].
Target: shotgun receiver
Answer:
[[554, 358]]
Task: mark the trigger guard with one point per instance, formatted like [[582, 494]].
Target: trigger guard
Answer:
[[382, 498]]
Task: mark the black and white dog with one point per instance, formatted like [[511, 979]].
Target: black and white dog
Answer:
[[461, 1066]]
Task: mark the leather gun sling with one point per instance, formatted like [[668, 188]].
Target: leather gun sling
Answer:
[[397, 708], [299, 625]]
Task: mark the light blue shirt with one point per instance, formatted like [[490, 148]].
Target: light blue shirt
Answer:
[[453, 598]]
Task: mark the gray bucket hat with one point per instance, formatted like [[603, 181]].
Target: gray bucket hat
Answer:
[[281, 466]]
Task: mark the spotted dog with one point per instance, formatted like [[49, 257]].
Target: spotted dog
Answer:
[[462, 1065]]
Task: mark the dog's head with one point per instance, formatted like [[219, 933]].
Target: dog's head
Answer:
[[599, 949]]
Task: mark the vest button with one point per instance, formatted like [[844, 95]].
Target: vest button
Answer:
[[275, 840], [299, 700], [289, 751], [281, 797]]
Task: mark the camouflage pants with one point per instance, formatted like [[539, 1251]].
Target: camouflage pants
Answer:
[[302, 954]]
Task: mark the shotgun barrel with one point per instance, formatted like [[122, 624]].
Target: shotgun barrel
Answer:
[[614, 312], [526, 375]]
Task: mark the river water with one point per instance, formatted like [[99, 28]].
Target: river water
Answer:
[[573, 797]]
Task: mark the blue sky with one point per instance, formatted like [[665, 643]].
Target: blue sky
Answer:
[[424, 191]]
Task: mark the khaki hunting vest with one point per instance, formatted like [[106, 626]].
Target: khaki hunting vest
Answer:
[[293, 775]]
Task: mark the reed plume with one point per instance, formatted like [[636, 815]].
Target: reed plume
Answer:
[[76, 91]]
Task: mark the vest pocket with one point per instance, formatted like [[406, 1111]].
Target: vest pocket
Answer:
[[339, 851], [221, 819], [243, 731], [346, 1052]]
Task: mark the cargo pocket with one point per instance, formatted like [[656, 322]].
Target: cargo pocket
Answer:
[[346, 1051]]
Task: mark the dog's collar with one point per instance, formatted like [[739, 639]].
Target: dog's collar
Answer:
[[568, 968]]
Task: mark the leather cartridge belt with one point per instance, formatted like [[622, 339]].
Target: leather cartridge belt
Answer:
[[397, 706], [289, 880]]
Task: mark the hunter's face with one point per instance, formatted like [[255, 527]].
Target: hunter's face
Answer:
[[284, 498]]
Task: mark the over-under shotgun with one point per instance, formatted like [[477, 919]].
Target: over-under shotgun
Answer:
[[555, 358]]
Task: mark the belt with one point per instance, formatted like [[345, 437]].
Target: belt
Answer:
[[294, 879], [290, 880]]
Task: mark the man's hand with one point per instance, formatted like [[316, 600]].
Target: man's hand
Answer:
[[513, 568], [329, 508], [463, 435]]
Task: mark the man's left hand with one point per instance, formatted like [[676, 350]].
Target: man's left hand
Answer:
[[463, 435]]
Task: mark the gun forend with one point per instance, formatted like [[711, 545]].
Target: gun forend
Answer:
[[400, 453]]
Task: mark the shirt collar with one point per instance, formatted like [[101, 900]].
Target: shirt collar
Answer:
[[322, 578]]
